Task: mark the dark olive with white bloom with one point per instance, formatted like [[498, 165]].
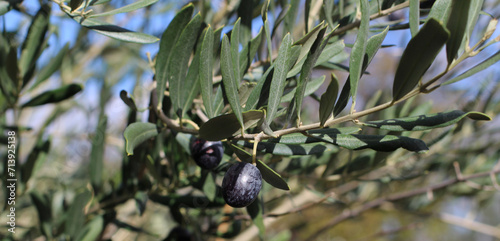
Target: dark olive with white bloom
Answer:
[[241, 184], [207, 154]]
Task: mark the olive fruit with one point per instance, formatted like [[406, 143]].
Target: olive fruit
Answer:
[[241, 184], [207, 154]]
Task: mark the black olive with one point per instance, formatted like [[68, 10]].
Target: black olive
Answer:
[[207, 154], [241, 184]]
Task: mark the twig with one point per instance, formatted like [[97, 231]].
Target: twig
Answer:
[[470, 224], [395, 197]]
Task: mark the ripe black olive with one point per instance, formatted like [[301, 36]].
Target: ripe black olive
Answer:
[[241, 184], [207, 154]]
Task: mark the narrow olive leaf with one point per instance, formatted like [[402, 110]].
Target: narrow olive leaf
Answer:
[[440, 11], [53, 96], [206, 71], [114, 31], [269, 42], [327, 101], [418, 57], [235, 47], [178, 65], [414, 16], [136, 133], [75, 217], [474, 10], [291, 149], [278, 81], [272, 177], [53, 65], [192, 79], [372, 47], [359, 49], [44, 210], [305, 73], [125, 9], [313, 85], [33, 44], [92, 230], [98, 2], [97, 155], [379, 142], [218, 101], [256, 95], [75, 4], [230, 81], [476, 69], [306, 43], [248, 53], [226, 126], [330, 51], [457, 24], [425, 122], [167, 42]]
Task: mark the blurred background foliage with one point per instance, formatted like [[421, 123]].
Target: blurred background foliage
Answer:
[[76, 181]]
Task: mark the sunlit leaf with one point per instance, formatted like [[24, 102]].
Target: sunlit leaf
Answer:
[[476, 69], [414, 16], [206, 71], [137, 133], [313, 85], [372, 47], [305, 74], [359, 49], [178, 65], [440, 11], [114, 31], [168, 40], [128, 8], [229, 80], [279, 77]]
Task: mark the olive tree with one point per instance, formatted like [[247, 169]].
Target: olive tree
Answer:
[[252, 112]]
